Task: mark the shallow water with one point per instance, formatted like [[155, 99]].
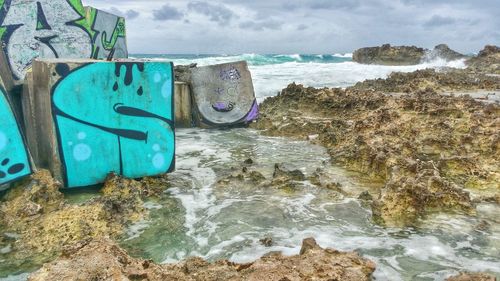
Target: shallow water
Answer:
[[198, 217]]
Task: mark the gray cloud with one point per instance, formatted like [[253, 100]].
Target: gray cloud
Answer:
[[308, 26], [261, 25], [167, 12], [329, 4], [216, 13], [302, 27], [129, 14], [437, 21]]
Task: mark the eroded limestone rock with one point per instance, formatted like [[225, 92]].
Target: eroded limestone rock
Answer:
[[102, 259]]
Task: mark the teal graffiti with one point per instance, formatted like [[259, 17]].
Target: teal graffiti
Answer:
[[14, 160], [114, 117]]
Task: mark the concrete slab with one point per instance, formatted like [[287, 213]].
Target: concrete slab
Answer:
[[14, 157], [33, 29], [97, 117], [223, 95]]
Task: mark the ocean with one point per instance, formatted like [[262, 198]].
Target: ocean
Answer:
[[271, 73]]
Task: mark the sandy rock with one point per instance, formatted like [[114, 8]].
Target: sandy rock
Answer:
[[102, 259], [472, 277], [389, 55]]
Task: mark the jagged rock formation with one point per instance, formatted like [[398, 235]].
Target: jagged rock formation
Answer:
[[403, 55], [472, 277], [487, 61], [389, 55], [37, 212], [426, 149], [444, 52], [103, 260], [443, 81]]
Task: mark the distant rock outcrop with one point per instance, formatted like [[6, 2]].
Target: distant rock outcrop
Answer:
[[403, 55], [444, 52], [488, 60], [389, 55]]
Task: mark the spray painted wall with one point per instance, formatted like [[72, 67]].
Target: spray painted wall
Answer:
[[109, 35], [114, 117], [224, 94], [14, 159], [56, 29]]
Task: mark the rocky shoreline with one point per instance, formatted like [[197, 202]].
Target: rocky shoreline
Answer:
[[430, 153]]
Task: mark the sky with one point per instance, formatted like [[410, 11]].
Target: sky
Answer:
[[303, 26]]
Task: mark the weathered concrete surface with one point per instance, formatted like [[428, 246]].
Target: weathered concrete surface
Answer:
[[14, 156], [57, 29], [95, 117], [183, 105], [223, 95], [104, 260]]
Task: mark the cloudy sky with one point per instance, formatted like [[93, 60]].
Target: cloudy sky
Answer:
[[303, 26]]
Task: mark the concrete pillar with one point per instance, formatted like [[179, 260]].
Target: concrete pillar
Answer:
[[183, 113], [92, 118]]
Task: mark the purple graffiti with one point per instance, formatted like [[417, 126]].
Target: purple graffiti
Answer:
[[231, 74], [223, 107], [253, 114]]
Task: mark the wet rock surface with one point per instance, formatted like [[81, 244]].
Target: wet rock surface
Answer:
[[389, 55], [431, 150], [404, 55], [488, 60], [43, 222], [472, 277], [86, 260], [437, 80]]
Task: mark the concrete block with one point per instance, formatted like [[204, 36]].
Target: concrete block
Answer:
[[183, 112], [28, 101], [97, 117], [223, 95], [6, 77], [31, 29], [109, 40], [14, 156]]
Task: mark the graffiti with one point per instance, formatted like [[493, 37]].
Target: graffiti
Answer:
[[43, 28], [114, 117], [231, 74], [110, 35], [224, 94], [31, 29], [14, 159]]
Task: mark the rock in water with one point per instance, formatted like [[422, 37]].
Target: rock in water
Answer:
[[487, 61], [104, 260], [389, 55], [472, 277], [444, 52]]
